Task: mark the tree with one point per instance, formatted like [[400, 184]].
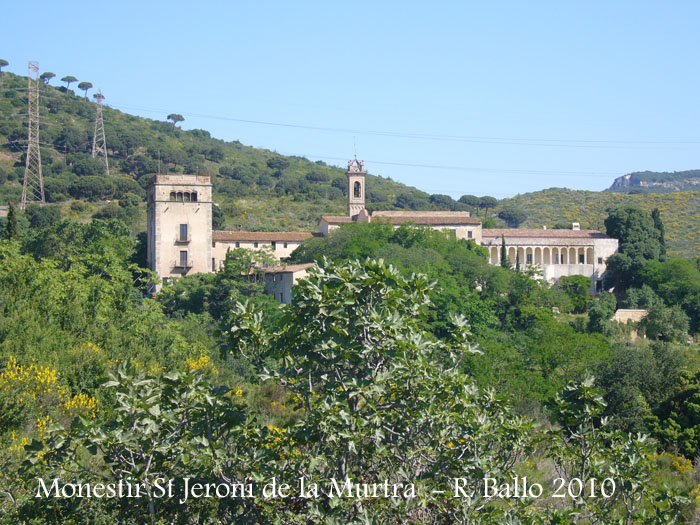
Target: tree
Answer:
[[176, 118], [382, 399], [504, 253], [69, 80], [470, 200], [666, 324], [11, 231], [218, 219], [639, 243], [46, 77], [577, 287], [486, 203], [85, 86], [659, 226], [513, 216], [600, 313], [41, 217], [3, 63]]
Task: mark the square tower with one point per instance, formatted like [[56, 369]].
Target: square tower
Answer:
[[356, 186], [179, 225]]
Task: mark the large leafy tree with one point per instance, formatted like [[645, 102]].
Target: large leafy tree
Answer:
[[383, 400], [640, 241]]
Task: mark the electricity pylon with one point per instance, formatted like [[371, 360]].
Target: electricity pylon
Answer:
[[33, 186], [99, 142]]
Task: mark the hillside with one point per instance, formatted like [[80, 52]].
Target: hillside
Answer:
[[680, 212], [257, 188], [657, 182]]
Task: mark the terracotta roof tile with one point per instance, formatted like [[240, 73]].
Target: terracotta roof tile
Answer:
[[336, 219], [518, 232], [426, 217], [223, 236]]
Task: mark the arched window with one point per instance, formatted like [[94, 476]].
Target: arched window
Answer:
[[358, 189], [173, 196], [179, 196], [194, 196], [187, 196]]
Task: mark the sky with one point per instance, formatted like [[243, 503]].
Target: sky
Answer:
[[484, 98]]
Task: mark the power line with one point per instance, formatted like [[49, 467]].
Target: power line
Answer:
[[567, 143]]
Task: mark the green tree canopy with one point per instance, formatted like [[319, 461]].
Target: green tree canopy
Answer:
[[513, 216], [176, 118], [69, 80], [46, 77], [85, 86]]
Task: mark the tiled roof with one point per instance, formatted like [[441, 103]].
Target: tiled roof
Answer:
[[517, 232], [223, 236], [291, 268], [336, 219], [426, 217]]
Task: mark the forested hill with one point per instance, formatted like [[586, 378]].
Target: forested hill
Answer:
[[257, 188], [657, 182]]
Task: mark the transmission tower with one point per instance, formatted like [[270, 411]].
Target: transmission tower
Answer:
[[99, 143], [33, 187]]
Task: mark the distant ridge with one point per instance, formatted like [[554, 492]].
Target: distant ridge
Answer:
[[657, 182]]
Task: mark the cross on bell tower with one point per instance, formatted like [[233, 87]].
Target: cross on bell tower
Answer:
[[356, 186]]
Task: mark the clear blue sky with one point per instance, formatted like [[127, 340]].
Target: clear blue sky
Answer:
[[516, 96]]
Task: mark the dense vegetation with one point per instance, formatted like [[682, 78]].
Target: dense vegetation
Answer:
[[405, 357]]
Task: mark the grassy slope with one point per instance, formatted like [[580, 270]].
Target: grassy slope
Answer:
[[680, 212]]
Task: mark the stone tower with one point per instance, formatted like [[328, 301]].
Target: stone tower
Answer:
[[179, 225], [356, 186]]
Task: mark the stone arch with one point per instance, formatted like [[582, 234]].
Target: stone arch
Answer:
[[187, 196], [494, 255], [357, 189], [173, 196], [546, 256], [589, 256], [179, 196], [511, 254], [538, 255]]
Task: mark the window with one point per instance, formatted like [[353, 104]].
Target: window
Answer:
[[255, 245], [183, 258], [469, 234], [238, 244], [213, 264], [285, 244], [281, 297], [599, 285], [187, 196], [556, 259], [528, 258], [194, 196], [183, 233], [213, 244], [165, 280], [173, 196], [600, 260], [358, 190], [581, 258], [179, 196], [274, 245]]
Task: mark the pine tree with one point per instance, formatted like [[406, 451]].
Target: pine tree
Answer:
[[517, 262], [659, 227]]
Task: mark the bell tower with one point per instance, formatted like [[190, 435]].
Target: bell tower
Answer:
[[356, 186]]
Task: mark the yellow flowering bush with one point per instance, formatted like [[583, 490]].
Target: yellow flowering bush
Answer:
[[203, 363]]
